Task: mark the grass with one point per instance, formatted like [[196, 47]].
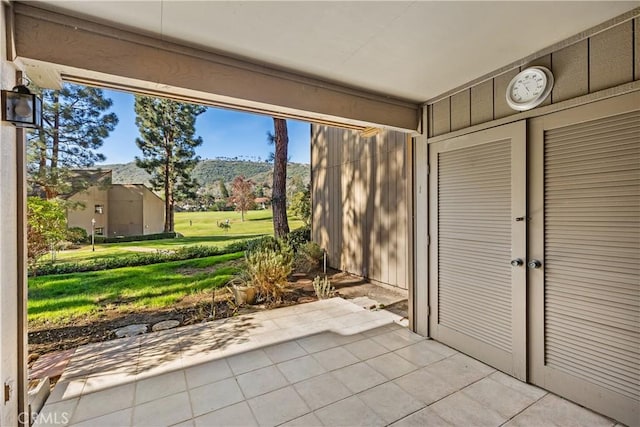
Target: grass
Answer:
[[198, 228], [60, 298]]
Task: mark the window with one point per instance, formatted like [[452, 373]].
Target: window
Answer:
[[99, 209], [99, 231]]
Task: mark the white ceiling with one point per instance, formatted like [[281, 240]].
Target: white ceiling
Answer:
[[415, 50]]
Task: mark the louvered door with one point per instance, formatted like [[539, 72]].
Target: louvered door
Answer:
[[585, 227], [477, 297]]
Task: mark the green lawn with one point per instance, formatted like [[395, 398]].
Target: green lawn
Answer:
[[198, 228], [59, 298]]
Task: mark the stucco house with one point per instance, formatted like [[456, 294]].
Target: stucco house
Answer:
[[515, 232], [118, 209]]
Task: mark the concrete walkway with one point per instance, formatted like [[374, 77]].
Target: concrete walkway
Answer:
[[326, 363]]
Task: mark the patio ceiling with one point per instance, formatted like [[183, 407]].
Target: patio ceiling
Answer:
[[413, 50]]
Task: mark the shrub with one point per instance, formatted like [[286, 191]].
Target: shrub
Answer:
[[323, 287], [308, 257], [136, 238], [269, 264], [76, 235], [299, 237]]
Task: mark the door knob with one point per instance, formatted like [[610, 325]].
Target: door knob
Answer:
[[517, 262], [534, 263]]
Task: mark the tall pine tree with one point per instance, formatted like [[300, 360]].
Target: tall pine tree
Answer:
[[75, 124], [280, 139], [167, 141]]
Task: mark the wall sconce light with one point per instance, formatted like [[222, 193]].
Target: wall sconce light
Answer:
[[21, 108]]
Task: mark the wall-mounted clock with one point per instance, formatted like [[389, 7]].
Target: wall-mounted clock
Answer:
[[529, 88]]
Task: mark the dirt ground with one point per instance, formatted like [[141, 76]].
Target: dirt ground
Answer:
[[199, 308]]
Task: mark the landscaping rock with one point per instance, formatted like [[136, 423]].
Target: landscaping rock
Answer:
[[167, 324], [131, 330]]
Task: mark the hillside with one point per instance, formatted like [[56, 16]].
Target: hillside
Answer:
[[209, 171]]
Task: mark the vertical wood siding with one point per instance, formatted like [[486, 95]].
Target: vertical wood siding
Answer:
[[360, 214], [602, 61]]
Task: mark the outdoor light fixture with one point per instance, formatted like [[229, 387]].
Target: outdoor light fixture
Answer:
[[21, 108]]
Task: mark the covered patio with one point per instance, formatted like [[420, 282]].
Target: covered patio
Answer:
[[329, 363]]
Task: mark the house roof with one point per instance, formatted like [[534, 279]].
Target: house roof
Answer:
[[81, 179]]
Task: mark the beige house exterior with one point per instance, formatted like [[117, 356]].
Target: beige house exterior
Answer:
[[118, 210], [516, 234]]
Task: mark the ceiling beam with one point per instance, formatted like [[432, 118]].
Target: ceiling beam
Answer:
[[92, 53]]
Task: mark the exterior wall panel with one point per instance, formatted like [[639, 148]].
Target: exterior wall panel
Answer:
[[611, 57], [605, 60], [359, 193]]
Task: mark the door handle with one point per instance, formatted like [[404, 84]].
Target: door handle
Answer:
[[517, 262], [534, 263]]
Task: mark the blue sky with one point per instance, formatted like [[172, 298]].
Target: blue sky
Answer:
[[225, 133]]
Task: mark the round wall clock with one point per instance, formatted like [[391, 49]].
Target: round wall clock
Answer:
[[529, 88]]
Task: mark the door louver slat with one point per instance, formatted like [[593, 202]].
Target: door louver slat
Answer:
[[474, 207], [592, 251]]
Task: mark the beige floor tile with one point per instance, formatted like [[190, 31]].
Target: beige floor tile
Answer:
[[459, 370], [309, 420], [261, 381], [278, 407], [421, 353], [390, 402], [459, 409], [366, 349], [349, 412], [393, 341], [502, 399], [207, 372], [318, 342], [66, 389], [187, 423], [57, 414], [248, 361], [528, 390], [335, 358], [165, 411], [422, 418], [359, 377], [160, 386], [301, 368], [285, 351], [321, 390], [555, 410], [213, 396], [425, 386], [104, 402], [391, 365], [120, 418], [238, 415]]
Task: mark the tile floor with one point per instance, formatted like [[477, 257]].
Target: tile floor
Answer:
[[326, 363]]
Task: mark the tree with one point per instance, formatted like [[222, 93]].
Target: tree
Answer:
[[167, 141], [279, 196], [224, 193], [301, 205], [46, 226], [242, 194], [75, 124]]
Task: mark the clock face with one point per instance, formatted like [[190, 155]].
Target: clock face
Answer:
[[529, 88]]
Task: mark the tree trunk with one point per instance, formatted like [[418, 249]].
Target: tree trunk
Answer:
[[52, 188], [168, 200], [279, 197]]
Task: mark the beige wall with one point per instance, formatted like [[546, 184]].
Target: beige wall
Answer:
[[82, 215], [360, 194], [153, 213], [134, 210], [607, 59], [11, 337]]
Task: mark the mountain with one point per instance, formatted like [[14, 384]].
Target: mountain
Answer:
[[209, 171]]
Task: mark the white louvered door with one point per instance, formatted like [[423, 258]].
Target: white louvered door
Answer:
[[478, 298], [585, 228]]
